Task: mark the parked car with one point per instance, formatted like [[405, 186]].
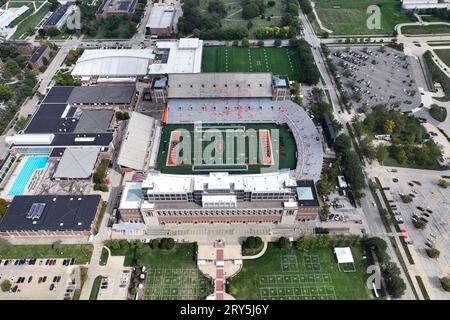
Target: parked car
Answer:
[[429, 211], [52, 287], [30, 278]]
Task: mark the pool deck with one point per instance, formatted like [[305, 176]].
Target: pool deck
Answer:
[[4, 193]]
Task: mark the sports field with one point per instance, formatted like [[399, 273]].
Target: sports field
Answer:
[[257, 148], [279, 61], [296, 275], [176, 284], [345, 17], [444, 55]]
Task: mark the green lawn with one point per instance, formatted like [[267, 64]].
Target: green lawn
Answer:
[[295, 275], [81, 252], [350, 17], [444, 55], [172, 274], [30, 22], [431, 29], [100, 218], [438, 76], [279, 61], [287, 149], [391, 162], [95, 288], [104, 257]]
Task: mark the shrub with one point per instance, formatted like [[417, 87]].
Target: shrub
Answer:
[[277, 42], [433, 253], [419, 224], [445, 283], [438, 113], [5, 285], [154, 244], [283, 243], [406, 198]]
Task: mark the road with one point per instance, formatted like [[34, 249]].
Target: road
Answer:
[[371, 215]]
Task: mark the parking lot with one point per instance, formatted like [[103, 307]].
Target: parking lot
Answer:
[[371, 77], [40, 281], [429, 202]]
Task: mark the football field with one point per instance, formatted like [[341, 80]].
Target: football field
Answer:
[[248, 148], [279, 61]]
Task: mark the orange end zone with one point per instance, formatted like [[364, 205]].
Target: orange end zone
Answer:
[[266, 147], [174, 144]]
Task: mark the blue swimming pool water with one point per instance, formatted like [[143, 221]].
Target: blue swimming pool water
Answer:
[[31, 164]]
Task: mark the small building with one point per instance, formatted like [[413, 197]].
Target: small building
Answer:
[[123, 8], [344, 259], [342, 183], [328, 130], [162, 20], [281, 88], [77, 163], [51, 215], [25, 48], [37, 59], [158, 89], [59, 17]]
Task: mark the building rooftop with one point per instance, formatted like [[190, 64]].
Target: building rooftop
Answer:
[[77, 163], [220, 85], [56, 16], [136, 141], [52, 118], [38, 53], [52, 213], [8, 16], [161, 16], [113, 63], [117, 6], [92, 121], [181, 56]]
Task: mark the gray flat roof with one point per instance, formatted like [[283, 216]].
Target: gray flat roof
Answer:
[[220, 85], [102, 94], [77, 163], [60, 213], [94, 121]]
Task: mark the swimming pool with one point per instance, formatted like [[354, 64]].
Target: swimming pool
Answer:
[[31, 164]]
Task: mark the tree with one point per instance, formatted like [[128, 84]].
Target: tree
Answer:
[[170, 244], [325, 212], [401, 156], [250, 11], [343, 142], [154, 244], [445, 283], [322, 186], [367, 149], [139, 244], [382, 154], [245, 42], [283, 243], [163, 243], [277, 43], [395, 285], [433, 253], [389, 126], [443, 183], [419, 224], [5, 285], [6, 92]]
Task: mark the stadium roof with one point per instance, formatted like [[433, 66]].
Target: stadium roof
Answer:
[[184, 56], [77, 163], [56, 213], [161, 16], [220, 85], [94, 121], [136, 141], [114, 63]]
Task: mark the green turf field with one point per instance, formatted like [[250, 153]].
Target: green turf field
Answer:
[[172, 274], [286, 151], [295, 275], [345, 17], [444, 55], [279, 61]]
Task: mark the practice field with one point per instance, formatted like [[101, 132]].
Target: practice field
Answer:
[[271, 148], [295, 275], [176, 284], [345, 17], [279, 61], [444, 55]]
